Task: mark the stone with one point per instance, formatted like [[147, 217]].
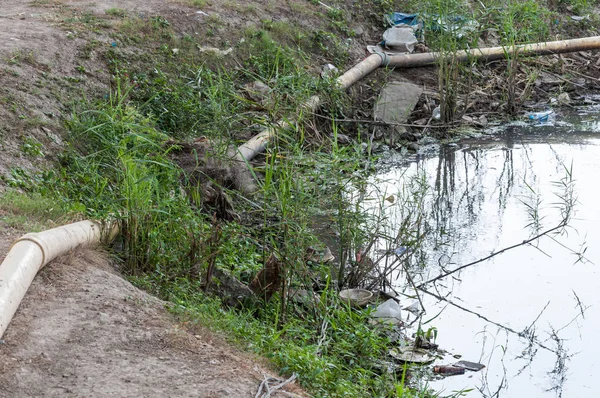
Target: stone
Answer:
[[258, 91], [564, 98], [358, 31], [342, 139], [396, 102]]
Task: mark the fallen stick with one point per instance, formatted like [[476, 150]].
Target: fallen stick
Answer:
[[493, 254]]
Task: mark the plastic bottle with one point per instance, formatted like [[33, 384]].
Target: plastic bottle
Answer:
[[545, 117], [436, 113]]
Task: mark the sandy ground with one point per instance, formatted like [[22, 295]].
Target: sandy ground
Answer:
[[83, 331]]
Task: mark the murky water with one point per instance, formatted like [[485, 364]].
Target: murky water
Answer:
[[541, 301]]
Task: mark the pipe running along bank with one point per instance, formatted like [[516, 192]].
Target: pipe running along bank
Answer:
[[258, 143], [33, 251]]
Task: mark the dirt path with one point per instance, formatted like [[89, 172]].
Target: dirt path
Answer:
[[83, 331]]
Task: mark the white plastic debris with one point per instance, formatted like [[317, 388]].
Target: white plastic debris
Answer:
[[329, 70], [414, 307], [388, 311]]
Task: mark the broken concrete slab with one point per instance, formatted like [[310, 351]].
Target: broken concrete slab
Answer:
[[395, 103]]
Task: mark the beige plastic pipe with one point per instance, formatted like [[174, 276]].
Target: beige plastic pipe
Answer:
[[31, 252], [258, 143], [496, 53]]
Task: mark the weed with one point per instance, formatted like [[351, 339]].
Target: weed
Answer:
[[32, 147], [116, 12], [18, 56], [159, 22], [199, 3], [47, 3]]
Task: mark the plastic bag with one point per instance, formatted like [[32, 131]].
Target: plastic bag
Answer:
[[388, 309]]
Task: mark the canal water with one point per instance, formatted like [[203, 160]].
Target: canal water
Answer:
[[531, 315]]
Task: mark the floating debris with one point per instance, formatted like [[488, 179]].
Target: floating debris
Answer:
[[472, 366], [413, 355], [448, 370]]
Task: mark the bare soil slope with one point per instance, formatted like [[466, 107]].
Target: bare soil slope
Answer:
[[83, 331]]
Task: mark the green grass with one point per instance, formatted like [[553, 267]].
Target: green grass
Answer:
[[116, 12], [336, 354], [31, 212]]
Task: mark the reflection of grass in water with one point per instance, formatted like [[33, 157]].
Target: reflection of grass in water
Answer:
[[565, 199], [558, 375]]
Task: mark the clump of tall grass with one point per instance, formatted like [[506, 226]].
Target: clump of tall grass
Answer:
[[118, 165]]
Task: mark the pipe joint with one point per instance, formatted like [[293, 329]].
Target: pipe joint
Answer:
[[385, 59], [35, 239]]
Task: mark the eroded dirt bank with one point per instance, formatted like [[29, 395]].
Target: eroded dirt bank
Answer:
[[83, 331]]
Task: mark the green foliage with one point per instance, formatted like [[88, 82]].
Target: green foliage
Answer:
[[118, 166], [335, 354], [32, 147], [520, 21], [199, 100], [116, 12]]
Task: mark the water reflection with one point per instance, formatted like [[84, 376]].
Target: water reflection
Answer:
[[530, 314]]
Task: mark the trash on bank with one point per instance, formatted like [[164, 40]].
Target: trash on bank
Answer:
[[400, 39], [388, 312], [458, 26], [215, 51], [545, 118], [410, 354], [580, 18], [472, 366], [329, 70], [448, 370], [356, 297], [401, 19], [403, 32]]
